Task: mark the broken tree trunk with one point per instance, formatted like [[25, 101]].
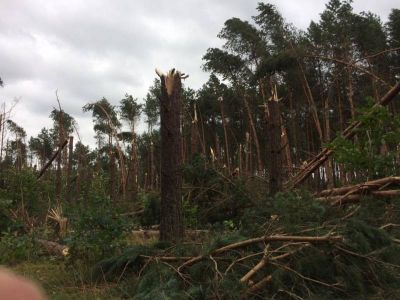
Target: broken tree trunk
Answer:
[[54, 248], [46, 166], [348, 133], [372, 185], [354, 193], [357, 197], [171, 221]]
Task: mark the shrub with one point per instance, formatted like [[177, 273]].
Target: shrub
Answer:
[[152, 209], [97, 233], [16, 248]]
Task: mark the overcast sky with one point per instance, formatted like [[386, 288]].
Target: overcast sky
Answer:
[[95, 48]]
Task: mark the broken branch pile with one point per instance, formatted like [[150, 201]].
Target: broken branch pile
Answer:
[[354, 193]]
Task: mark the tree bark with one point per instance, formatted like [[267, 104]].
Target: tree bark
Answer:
[[57, 153], [228, 165], [69, 168], [254, 133], [112, 169], [152, 167], [171, 221], [327, 135], [275, 155], [132, 182]]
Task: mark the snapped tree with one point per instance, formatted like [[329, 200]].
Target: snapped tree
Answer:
[[171, 222]]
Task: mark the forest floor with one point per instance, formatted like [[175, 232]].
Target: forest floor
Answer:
[[61, 284]]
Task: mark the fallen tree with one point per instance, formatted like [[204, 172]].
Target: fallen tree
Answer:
[[54, 248], [354, 193], [310, 166], [55, 155]]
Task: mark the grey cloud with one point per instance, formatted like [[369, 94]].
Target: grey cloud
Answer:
[[95, 48]]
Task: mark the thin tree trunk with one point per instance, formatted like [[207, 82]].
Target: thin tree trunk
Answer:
[[275, 155], [350, 92], [1, 137], [217, 149], [240, 159], [228, 165], [287, 154], [132, 186], [203, 139], [194, 135], [247, 154], [310, 98], [328, 164], [152, 167], [79, 176], [254, 133], [112, 169], [2, 131], [69, 168], [58, 177]]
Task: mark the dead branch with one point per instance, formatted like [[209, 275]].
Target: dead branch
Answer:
[[265, 239], [257, 267], [351, 65], [133, 213], [258, 286], [390, 225], [147, 234], [241, 259], [380, 53], [333, 286]]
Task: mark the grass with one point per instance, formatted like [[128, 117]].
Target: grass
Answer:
[[60, 283]]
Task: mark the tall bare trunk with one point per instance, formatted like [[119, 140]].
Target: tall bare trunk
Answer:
[[254, 133], [275, 153], [311, 102], [59, 158], [69, 168], [194, 134], [247, 154], [132, 184], [112, 169], [328, 164], [287, 156], [152, 166], [350, 92], [228, 165]]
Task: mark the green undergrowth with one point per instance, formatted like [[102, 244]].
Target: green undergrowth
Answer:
[[104, 263], [364, 265]]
